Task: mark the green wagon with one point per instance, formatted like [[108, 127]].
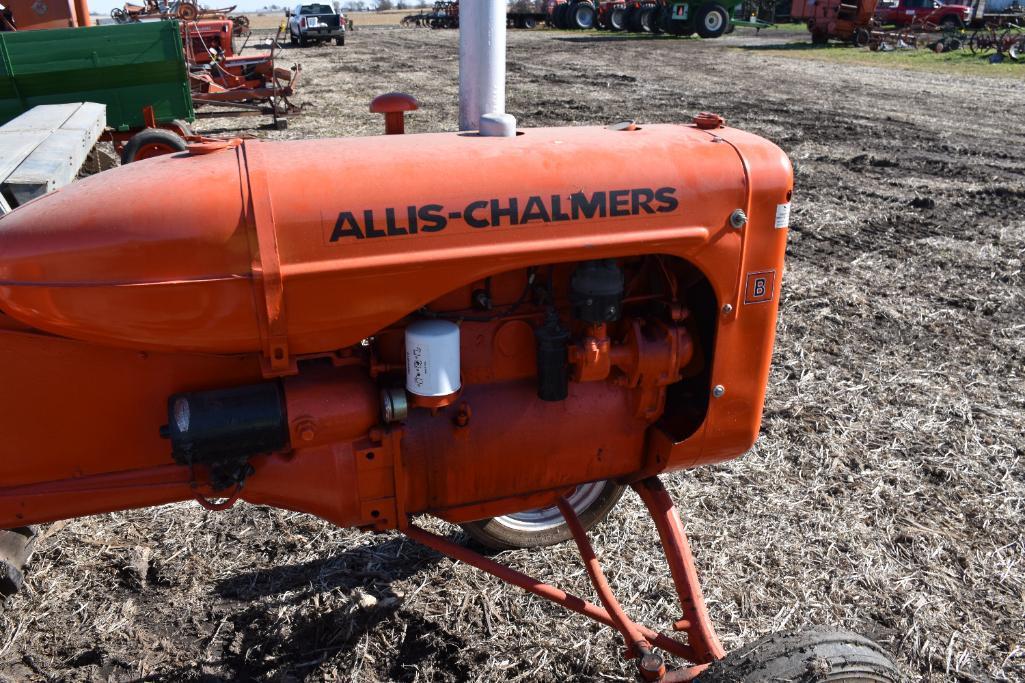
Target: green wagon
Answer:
[[138, 70]]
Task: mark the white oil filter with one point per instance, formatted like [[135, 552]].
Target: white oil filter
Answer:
[[432, 358]]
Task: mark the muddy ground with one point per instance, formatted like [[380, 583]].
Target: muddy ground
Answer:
[[885, 495]]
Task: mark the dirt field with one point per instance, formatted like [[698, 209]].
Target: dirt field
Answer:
[[886, 493]]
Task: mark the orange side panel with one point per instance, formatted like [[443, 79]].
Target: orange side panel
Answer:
[[36, 15]]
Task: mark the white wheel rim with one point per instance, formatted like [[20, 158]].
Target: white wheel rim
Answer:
[[713, 21], [543, 519]]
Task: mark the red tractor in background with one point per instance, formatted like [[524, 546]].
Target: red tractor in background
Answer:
[[843, 20]]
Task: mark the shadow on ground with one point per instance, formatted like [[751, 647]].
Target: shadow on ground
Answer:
[[283, 622]]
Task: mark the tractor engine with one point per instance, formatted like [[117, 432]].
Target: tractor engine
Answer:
[[367, 329]]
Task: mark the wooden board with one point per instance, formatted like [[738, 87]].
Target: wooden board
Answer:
[[15, 146], [44, 117], [44, 148], [53, 164]]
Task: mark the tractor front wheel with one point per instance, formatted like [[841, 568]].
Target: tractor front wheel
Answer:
[[816, 655], [582, 16], [617, 19], [712, 20], [545, 526], [151, 142]]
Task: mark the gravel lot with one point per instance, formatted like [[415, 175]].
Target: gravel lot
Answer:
[[885, 495]]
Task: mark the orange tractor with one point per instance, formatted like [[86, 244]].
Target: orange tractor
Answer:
[[509, 356]]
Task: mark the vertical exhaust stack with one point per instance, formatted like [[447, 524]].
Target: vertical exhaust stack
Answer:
[[482, 26]]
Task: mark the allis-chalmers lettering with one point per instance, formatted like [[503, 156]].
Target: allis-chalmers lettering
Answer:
[[493, 213]]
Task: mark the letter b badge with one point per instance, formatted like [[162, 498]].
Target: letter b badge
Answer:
[[760, 287]]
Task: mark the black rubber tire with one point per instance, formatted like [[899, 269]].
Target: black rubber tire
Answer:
[[649, 20], [529, 23], [560, 16], [617, 19], [184, 127], [818, 654], [951, 23], [493, 534], [861, 37], [340, 41], [582, 16], [151, 136], [711, 20], [293, 41], [633, 20], [819, 38]]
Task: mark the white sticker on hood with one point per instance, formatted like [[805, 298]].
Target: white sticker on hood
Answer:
[[783, 215]]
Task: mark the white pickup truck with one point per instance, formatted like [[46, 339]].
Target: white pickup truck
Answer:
[[315, 23]]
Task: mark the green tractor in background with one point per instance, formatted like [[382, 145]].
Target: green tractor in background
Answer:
[[706, 18]]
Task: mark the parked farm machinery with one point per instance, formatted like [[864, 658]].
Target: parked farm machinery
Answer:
[[446, 15], [848, 21], [706, 18], [185, 10], [996, 41], [237, 85]]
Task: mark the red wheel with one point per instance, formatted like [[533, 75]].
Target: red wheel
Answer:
[[152, 142], [187, 11]]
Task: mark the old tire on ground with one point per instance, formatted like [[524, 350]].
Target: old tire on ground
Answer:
[[810, 656], [711, 20], [545, 526], [581, 16], [861, 37], [151, 142], [617, 19]]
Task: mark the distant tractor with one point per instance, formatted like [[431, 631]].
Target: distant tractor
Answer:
[[849, 21]]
